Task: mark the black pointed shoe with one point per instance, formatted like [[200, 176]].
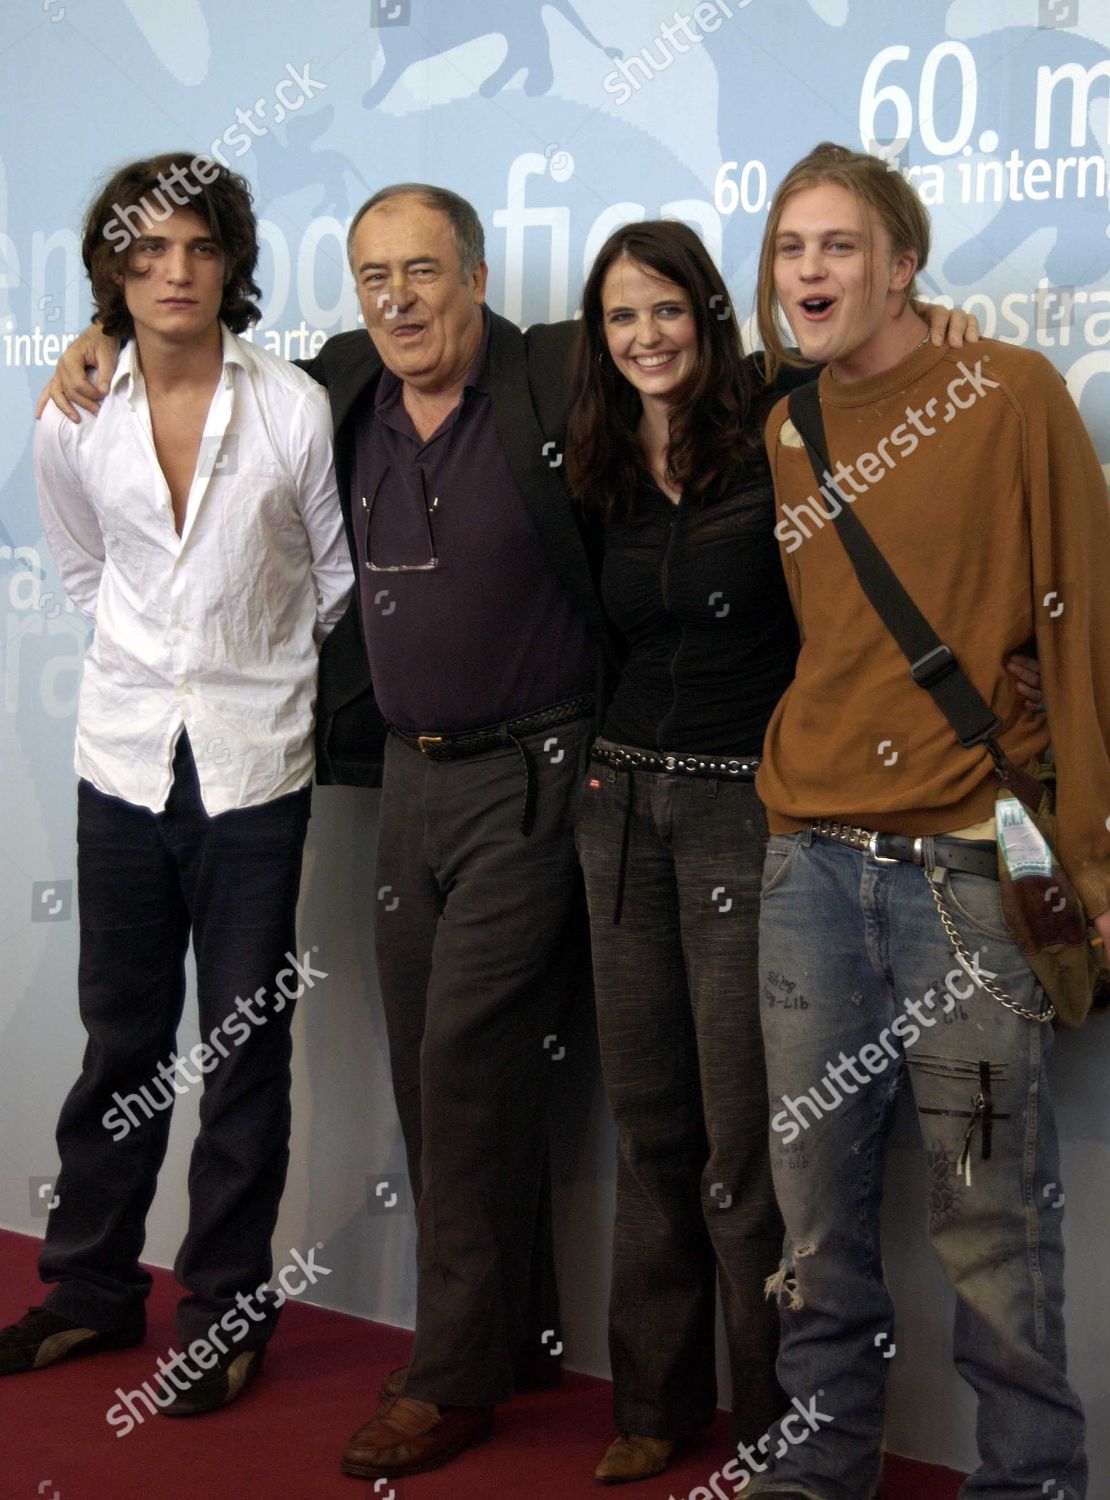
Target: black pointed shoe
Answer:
[[42, 1338], [200, 1391]]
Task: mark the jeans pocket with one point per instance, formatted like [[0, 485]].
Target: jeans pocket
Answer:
[[976, 901], [782, 849]]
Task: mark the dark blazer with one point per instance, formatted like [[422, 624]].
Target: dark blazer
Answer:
[[529, 379]]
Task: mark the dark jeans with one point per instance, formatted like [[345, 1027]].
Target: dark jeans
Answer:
[[482, 945], [678, 1015], [145, 880]]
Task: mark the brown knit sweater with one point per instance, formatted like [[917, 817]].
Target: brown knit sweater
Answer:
[[998, 524]]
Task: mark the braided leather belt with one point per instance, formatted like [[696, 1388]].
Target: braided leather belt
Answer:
[[967, 856], [491, 737], [628, 758]]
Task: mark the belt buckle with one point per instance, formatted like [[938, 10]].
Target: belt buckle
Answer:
[[880, 859], [423, 741]]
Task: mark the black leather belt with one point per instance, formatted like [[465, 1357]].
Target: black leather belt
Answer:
[[468, 742], [967, 856], [629, 758]]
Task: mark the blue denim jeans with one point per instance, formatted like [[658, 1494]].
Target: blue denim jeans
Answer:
[[860, 988]]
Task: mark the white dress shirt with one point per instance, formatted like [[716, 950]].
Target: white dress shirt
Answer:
[[217, 629]]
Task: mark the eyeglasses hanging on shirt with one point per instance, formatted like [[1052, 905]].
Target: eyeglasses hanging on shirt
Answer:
[[425, 509]]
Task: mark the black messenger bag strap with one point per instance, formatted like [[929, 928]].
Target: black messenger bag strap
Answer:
[[932, 664]]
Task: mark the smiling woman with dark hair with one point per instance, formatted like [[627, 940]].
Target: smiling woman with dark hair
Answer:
[[710, 412], [664, 441]]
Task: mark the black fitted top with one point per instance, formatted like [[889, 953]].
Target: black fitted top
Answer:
[[708, 634]]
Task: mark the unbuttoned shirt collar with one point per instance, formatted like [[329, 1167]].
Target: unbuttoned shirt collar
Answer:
[[128, 369]]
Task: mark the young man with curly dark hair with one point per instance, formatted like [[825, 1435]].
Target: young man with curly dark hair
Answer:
[[196, 523]]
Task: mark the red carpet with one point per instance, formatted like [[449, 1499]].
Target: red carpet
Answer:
[[283, 1438]]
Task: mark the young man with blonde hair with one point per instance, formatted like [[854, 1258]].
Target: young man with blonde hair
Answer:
[[976, 480]]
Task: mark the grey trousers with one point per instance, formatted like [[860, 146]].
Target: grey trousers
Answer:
[[676, 980], [482, 946]]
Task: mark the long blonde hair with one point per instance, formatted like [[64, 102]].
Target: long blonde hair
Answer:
[[874, 185]]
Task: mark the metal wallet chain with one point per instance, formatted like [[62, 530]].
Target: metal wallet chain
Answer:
[[992, 989]]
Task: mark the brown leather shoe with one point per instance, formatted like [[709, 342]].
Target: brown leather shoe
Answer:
[[533, 1376], [392, 1386], [409, 1436], [631, 1456]]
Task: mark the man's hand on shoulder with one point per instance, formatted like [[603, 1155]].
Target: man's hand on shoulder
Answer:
[[949, 325], [70, 387]]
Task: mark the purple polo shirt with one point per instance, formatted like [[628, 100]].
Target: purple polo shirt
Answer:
[[490, 634]]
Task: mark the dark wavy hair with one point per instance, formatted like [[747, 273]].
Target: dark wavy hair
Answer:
[[153, 188], [714, 432]]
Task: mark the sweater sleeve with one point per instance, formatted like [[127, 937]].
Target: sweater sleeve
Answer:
[[1069, 521]]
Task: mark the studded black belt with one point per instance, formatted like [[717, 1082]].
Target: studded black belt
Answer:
[[629, 758]]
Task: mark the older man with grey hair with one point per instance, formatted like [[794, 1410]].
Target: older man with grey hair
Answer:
[[484, 638]]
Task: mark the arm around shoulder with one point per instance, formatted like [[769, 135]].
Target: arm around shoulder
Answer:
[[69, 387]]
